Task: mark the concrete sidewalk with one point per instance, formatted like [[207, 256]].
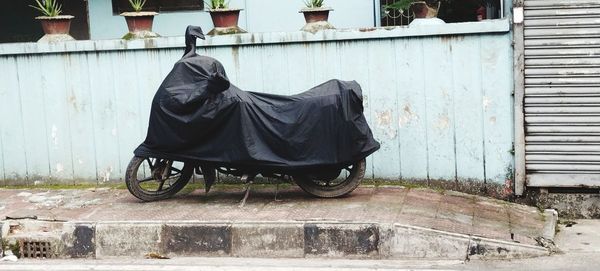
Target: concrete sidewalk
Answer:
[[373, 222]]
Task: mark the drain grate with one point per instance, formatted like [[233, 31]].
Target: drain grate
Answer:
[[34, 249]]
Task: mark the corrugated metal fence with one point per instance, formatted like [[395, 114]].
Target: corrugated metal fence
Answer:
[[441, 105]]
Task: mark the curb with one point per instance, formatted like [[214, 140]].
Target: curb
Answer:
[[549, 231], [287, 239], [550, 224]]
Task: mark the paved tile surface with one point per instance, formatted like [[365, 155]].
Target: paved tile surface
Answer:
[[441, 210]]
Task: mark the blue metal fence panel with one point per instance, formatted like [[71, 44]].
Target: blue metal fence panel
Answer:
[[56, 115], [441, 106], [412, 109], [11, 123], [80, 112], [31, 86], [383, 107], [439, 98], [497, 106], [468, 108]]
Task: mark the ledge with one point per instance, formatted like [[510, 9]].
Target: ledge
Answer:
[[484, 27]]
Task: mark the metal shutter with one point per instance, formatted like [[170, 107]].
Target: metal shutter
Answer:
[[562, 92]]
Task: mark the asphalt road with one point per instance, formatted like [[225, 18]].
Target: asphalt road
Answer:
[[580, 245], [570, 261], [234, 264]]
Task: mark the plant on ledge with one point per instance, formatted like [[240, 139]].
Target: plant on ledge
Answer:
[[137, 5], [224, 19], [316, 16], [56, 26], [218, 4], [139, 22], [49, 8], [313, 3]]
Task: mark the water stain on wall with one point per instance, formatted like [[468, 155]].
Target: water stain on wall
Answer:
[[443, 122], [384, 122], [407, 116]]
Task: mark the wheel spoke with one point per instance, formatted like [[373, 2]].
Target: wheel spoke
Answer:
[[146, 179], [149, 163], [160, 186]]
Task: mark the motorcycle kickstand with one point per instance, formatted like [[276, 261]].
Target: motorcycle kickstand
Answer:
[[277, 192], [247, 179]]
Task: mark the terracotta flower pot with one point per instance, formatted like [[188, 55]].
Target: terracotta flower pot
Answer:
[[316, 19], [225, 17], [139, 24], [56, 28], [56, 25], [225, 21], [314, 15]]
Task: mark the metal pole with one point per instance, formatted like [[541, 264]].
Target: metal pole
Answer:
[[376, 13], [519, 95]]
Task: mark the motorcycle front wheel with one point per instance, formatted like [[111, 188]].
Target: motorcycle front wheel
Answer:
[[151, 179], [332, 187]]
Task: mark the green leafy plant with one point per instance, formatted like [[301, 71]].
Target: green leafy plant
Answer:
[[49, 8], [137, 5], [218, 4], [313, 3], [400, 5], [403, 5]]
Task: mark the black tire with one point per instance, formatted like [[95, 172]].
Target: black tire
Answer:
[[342, 188], [176, 181]]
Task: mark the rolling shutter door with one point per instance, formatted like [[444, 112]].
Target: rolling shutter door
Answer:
[[562, 92]]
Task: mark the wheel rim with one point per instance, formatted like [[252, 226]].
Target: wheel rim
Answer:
[[157, 176], [346, 174]]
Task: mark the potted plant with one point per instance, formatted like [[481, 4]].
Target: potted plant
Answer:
[[224, 19], [139, 22], [56, 26], [316, 16], [420, 9]]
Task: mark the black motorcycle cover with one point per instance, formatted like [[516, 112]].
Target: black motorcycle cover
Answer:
[[198, 115]]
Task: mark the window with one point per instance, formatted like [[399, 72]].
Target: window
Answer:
[[120, 6], [451, 11]]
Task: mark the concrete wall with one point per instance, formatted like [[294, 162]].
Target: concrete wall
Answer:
[[257, 16], [438, 98]]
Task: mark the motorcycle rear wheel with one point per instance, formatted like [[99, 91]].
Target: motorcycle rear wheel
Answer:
[[325, 188], [161, 180]]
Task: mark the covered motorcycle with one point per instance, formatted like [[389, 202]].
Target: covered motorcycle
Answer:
[[199, 118]]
